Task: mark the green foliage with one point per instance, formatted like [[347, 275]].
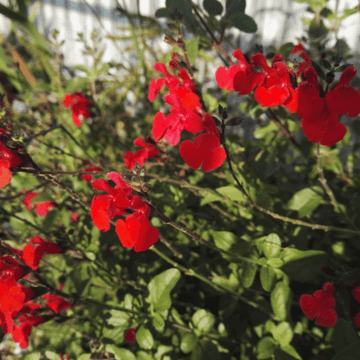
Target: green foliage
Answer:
[[238, 246]]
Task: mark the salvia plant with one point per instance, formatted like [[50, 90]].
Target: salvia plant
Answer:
[[153, 211]]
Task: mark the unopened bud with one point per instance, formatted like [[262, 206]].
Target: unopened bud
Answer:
[[176, 57], [330, 77], [174, 65], [224, 114]]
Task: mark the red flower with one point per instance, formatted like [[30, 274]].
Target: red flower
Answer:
[[21, 333], [74, 216], [357, 320], [274, 89], [33, 252], [42, 208], [186, 107], [28, 199], [320, 305], [307, 61], [88, 178], [56, 303], [205, 150], [79, 104], [356, 293], [130, 336], [136, 232], [148, 151], [8, 159], [241, 78]]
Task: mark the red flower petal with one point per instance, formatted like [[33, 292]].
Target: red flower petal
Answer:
[[356, 294], [309, 306], [357, 320], [327, 318], [221, 77], [333, 134], [273, 96], [159, 126]]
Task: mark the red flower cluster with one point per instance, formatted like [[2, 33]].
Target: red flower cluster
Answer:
[[356, 294], [273, 87], [8, 159], [320, 305], [130, 335], [136, 231], [141, 155], [18, 314], [79, 104], [91, 168], [41, 208], [186, 113]]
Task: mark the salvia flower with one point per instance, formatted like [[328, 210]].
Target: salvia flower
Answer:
[[320, 305], [79, 106]]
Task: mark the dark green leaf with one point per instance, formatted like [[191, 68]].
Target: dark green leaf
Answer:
[[302, 265], [243, 22], [235, 6], [162, 12], [248, 274], [213, 7], [344, 335]]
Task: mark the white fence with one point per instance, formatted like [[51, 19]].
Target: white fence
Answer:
[[278, 21]]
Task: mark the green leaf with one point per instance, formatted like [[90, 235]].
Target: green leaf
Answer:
[[301, 265], [287, 353], [188, 343], [119, 319], [192, 48], [224, 239], [213, 7], [33, 356], [283, 333], [203, 320], [344, 335], [51, 355], [81, 68], [265, 348], [231, 192], [248, 274], [160, 287], [349, 353], [280, 299], [79, 279], [120, 354], [306, 201], [76, 84], [162, 12], [243, 22], [144, 338], [84, 357], [205, 350], [142, 355], [267, 278], [158, 322], [271, 246]]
